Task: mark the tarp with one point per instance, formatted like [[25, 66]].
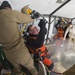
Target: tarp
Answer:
[[45, 6]]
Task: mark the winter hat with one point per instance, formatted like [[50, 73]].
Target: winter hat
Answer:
[[5, 4], [33, 25]]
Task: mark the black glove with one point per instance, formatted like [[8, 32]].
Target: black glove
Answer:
[[42, 23], [34, 14]]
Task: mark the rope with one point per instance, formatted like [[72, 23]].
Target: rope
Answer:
[[22, 29]]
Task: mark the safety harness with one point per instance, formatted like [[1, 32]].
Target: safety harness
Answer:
[[42, 51]]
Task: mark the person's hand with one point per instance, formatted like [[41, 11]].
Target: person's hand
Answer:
[[24, 9], [42, 23]]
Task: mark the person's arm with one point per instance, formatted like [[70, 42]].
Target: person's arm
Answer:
[[42, 33], [22, 18], [66, 32]]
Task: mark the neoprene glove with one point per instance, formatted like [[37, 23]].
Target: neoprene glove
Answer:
[[42, 23]]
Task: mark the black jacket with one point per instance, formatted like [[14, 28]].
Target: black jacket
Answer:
[[37, 43]]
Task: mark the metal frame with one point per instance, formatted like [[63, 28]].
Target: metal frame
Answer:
[[50, 15]]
